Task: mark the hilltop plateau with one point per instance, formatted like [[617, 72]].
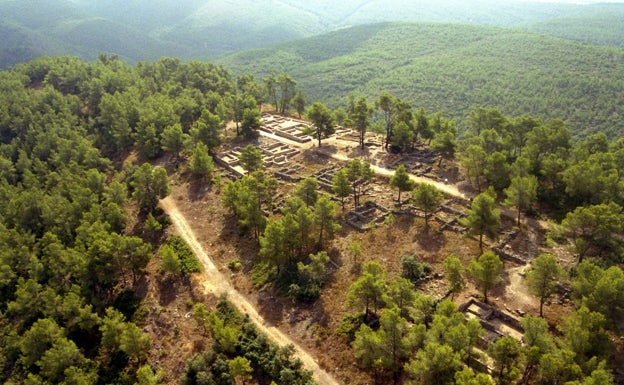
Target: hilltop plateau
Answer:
[[363, 192]]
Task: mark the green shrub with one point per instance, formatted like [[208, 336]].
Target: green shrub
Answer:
[[261, 273], [127, 303], [412, 269], [234, 265], [305, 293], [350, 324], [190, 263], [269, 361]]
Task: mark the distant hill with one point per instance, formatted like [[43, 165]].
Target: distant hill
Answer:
[[205, 29], [19, 45], [446, 67], [454, 68], [32, 28], [600, 24], [91, 36]]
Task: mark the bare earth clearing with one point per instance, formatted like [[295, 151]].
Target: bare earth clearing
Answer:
[[196, 211]]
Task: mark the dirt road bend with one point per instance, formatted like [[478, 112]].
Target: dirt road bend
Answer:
[[446, 188], [217, 283]]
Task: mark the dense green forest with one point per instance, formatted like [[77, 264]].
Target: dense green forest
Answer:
[[601, 25], [454, 69], [196, 29], [525, 99], [79, 224], [33, 29]]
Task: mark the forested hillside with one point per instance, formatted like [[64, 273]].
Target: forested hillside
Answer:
[[35, 28], [200, 29], [454, 68], [82, 241], [95, 289], [602, 24], [69, 267]]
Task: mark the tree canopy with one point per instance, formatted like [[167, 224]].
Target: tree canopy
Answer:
[[69, 292], [483, 217], [322, 121], [74, 141], [486, 271]]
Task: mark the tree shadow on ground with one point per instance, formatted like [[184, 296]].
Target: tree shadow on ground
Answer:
[[270, 307], [168, 288], [141, 288], [497, 293], [356, 269], [315, 155], [199, 188], [276, 306], [244, 244], [325, 147], [403, 223], [429, 239], [319, 314], [364, 154]]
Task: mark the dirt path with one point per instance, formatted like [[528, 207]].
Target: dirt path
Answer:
[[217, 283], [517, 289], [446, 188]]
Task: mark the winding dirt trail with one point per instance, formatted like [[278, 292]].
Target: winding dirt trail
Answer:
[[217, 283]]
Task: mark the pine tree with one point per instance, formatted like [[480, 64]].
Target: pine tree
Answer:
[[201, 161], [341, 186], [486, 271], [428, 198], [521, 193], [542, 278], [401, 181], [454, 272], [483, 217], [325, 213]]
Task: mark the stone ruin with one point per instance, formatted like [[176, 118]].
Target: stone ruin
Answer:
[[289, 128], [347, 134], [366, 215], [506, 252], [419, 163], [448, 216], [325, 175], [496, 323], [229, 160], [290, 173], [275, 154]]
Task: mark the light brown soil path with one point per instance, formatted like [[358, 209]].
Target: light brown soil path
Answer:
[[518, 291], [216, 283], [446, 188]]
